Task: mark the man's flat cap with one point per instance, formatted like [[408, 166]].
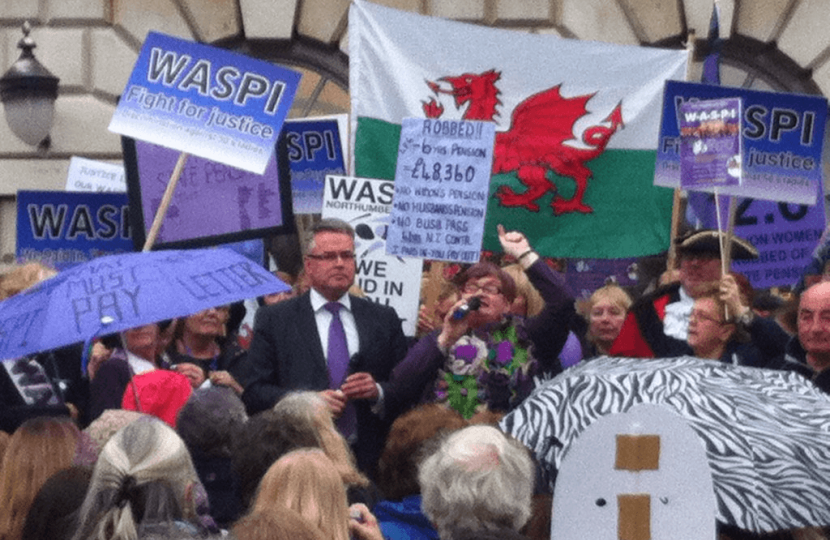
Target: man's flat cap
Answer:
[[708, 241]]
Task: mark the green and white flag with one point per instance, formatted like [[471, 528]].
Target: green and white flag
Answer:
[[577, 123]]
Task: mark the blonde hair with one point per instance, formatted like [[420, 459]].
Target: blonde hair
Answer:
[[275, 524], [39, 448], [145, 460], [612, 292], [307, 482], [308, 411], [22, 277], [355, 290], [533, 300]]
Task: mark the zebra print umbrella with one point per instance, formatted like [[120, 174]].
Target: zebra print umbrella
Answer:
[[766, 433]]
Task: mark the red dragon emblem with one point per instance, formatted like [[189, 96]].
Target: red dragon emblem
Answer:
[[535, 142]]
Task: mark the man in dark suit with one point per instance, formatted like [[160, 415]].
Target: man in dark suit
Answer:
[[295, 345]]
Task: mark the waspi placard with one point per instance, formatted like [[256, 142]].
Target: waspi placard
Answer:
[[206, 101]]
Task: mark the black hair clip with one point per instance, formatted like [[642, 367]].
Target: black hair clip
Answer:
[[125, 493]]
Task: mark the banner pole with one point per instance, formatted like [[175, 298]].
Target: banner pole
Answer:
[[730, 232], [676, 209], [671, 260], [165, 202], [723, 264]]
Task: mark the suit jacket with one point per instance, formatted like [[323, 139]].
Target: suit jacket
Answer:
[[286, 354]]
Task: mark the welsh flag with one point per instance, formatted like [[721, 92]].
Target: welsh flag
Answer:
[[577, 123]]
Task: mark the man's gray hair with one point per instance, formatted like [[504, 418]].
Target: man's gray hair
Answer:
[[478, 479], [327, 225]]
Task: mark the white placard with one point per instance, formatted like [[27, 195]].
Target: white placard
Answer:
[[89, 175], [442, 182], [680, 489]]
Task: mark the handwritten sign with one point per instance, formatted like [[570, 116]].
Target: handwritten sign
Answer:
[[89, 175], [206, 101], [116, 292], [441, 189], [62, 229], [781, 138], [366, 204], [314, 151], [213, 202], [710, 143]]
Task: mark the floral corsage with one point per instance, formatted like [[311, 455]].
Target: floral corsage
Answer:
[[488, 370]]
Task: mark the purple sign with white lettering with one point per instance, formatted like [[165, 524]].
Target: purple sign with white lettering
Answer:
[[785, 235], [710, 143], [781, 140]]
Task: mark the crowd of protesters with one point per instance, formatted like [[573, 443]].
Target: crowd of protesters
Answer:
[[176, 431]]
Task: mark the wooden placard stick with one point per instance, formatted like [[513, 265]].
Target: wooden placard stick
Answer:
[[165, 202], [677, 206], [676, 213]]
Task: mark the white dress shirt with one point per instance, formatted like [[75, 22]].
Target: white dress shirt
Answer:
[[676, 321], [323, 317]]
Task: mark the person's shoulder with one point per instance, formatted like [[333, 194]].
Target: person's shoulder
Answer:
[[280, 309], [359, 302], [670, 292]]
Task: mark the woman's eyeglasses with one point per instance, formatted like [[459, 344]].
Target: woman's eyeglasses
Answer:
[[472, 288]]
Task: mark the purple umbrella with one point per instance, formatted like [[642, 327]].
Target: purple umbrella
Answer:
[[117, 292]]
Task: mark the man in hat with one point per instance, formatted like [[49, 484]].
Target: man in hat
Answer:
[[657, 324]]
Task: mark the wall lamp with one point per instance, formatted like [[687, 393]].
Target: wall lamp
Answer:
[[28, 92]]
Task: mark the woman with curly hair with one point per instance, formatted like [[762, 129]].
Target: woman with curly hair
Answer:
[[39, 448], [484, 357]]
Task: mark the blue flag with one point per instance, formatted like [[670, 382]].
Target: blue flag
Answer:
[[711, 65]]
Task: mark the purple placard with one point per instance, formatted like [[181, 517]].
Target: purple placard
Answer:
[[65, 228], [584, 276], [314, 151], [710, 143], [781, 139], [785, 235], [213, 203]]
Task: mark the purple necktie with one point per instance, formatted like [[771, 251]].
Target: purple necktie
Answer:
[[338, 361]]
